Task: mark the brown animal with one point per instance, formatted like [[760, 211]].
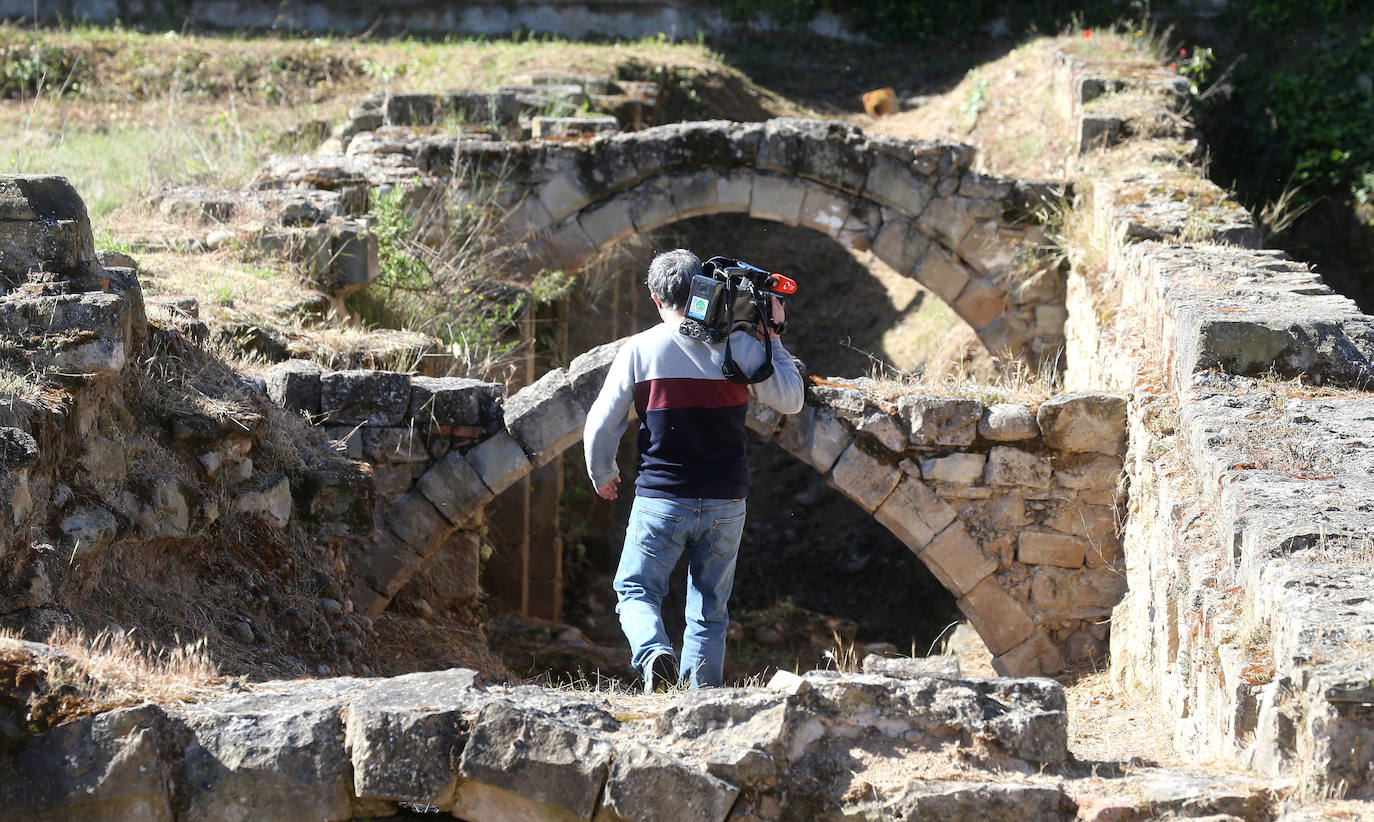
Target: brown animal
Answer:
[[880, 101]]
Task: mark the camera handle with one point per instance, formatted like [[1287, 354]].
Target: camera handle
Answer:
[[730, 369]]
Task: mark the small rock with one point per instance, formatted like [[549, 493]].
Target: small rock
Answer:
[[241, 632], [331, 607], [788, 683], [768, 636], [218, 239], [734, 631]]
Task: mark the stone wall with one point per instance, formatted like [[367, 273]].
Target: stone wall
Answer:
[[1247, 547]]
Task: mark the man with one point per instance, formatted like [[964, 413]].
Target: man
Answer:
[[693, 474]]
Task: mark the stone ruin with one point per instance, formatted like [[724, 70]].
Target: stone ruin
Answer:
[[1246, 556]]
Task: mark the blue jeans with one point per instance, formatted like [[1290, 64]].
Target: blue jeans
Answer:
[[660, 530]]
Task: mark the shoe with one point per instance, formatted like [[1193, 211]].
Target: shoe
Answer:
[[660, 674]]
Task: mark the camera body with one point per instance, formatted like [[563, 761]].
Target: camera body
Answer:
[[731, 294]]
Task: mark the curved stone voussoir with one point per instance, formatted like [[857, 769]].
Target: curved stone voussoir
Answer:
[[545, 417]]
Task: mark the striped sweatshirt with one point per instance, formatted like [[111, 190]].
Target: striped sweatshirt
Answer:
[[691, 419]]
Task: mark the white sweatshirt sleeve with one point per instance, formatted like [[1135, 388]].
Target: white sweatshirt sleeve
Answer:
[[607, 419]]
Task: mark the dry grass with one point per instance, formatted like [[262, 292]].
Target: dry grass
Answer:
[[1006, 109], [1110, 724], [111, 670]]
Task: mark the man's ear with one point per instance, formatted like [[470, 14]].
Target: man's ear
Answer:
[[657, 302]]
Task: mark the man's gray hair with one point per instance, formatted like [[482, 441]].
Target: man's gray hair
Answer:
[[670, 276]]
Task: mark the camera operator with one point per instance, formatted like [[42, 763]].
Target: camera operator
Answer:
[[693, 473]]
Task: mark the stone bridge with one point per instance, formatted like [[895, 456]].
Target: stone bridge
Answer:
[[915, 204], [1015, 510]]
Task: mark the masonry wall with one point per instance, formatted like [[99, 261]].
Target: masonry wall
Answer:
[[1246, 548]]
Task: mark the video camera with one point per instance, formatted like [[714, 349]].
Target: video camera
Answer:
[[732, 295]]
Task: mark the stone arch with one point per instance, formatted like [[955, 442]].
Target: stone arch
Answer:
[[915, 204], [1012, 511]]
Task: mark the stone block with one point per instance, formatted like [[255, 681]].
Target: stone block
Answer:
[[1079, 593], [87, 530], [342, 501], [734, 190], [295, 385], [651, 204], [956, 559], [393, 445], [386, 567], [823, 210], [528, 218], [43, 227], [948, 218], [940, 421], [944, 666], [562, 193], [415, 520], [896, 184], [1092, 522], [980, 303], [987, 250], [107, 766], [1087, 471], [1013, 466], [939, 271], [587, 372], [914, 514], [365, 397], [829, 437], [647, 786], [545, 417], [264, 762], [455, 488], [607, 222], [499, 461], [1084, 422], [527, 765], [562, 128], [453, 401], [567, 243], [697, 194], [410, 109], [406, 735], [901, 245], [1037, 656], [864, 479], [1051, 548], [762, 419], [998, 618], [795, 433], [353, 260], [885, 428], [954, 469], [777, 198], [268, 500], [1006, 422], [1099, 131]]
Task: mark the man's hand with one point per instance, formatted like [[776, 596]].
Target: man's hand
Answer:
[[608, 491], [779, 316]]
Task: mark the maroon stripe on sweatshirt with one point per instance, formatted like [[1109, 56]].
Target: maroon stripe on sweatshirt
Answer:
[[688, 392]]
